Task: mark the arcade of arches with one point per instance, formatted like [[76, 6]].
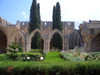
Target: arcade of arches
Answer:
[[25, 39], [88, 36]]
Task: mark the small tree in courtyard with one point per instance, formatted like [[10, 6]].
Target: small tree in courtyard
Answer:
[[13, 49]]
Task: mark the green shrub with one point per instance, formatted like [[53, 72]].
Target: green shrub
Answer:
[[13, 49], [31, 56], [93, 56], [52, 65], [74, 56], [43, 68], [36, 51], [3, 57], [22, 56], [81, 56]]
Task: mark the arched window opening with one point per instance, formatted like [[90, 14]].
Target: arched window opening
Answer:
[[37, 42], [74, 40], [56, 42]]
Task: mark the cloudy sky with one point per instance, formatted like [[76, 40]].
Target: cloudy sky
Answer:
[[71, 10]]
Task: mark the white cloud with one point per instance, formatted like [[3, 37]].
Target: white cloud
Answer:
[[25, 15], [71, 10]]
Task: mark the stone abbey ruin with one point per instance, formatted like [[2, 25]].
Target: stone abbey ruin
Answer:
[[87, 37]]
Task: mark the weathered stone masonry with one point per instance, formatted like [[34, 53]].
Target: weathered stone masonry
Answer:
[[19, 32], [91, 35]]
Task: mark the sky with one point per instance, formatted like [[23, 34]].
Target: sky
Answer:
[[71, 10]]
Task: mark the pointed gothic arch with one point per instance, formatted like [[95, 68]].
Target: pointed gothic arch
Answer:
[[33, 34], [19, 36], [53, 33]]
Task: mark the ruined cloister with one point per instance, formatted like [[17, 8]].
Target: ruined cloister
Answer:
[[89, 33], [19, 32]]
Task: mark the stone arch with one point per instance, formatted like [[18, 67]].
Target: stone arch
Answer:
[[51, 36], [95, 43], [32, 35], [3, 42], [74, 39], [22, 34], [55, 31]]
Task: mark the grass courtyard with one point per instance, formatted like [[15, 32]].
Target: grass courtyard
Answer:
[[54, 63]]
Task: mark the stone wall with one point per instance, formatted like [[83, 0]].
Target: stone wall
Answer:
[[20, 30], [90, 33]]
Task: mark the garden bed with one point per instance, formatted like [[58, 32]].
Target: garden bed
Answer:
[[51, 65]]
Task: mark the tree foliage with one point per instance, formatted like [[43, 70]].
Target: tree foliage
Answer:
[[14, 48], [57, 40], [36, 42], [57, 17], [35, 22], [54, 17], [34, 17]]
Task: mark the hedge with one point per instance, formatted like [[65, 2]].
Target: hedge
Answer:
[[52, 65], [44, 68], [21, 56]]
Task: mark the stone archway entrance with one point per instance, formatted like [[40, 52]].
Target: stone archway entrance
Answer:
[[3, 42], [56, 42], [59, 46], [33, 40], [95, 43]]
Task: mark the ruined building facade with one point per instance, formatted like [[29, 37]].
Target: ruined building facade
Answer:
[[91, 35], [19, 33]]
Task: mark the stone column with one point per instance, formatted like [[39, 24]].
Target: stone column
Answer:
[[46, 44], [65, 43], [27, 43]]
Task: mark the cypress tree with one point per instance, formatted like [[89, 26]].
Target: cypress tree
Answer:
[[57, 40], [35, 24], [58, 17], [34, 17], [38, 7], [54, 17]]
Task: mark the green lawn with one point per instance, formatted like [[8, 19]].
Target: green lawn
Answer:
[[53, 57], [51, 65]]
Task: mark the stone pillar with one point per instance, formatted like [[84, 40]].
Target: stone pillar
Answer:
[[46, 44], [65, 43], [27, 43]]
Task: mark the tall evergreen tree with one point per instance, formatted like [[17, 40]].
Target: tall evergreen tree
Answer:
[[34, 17], [35, 24], [54, 18], [58, 17], [38, 7], [57, 40]]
